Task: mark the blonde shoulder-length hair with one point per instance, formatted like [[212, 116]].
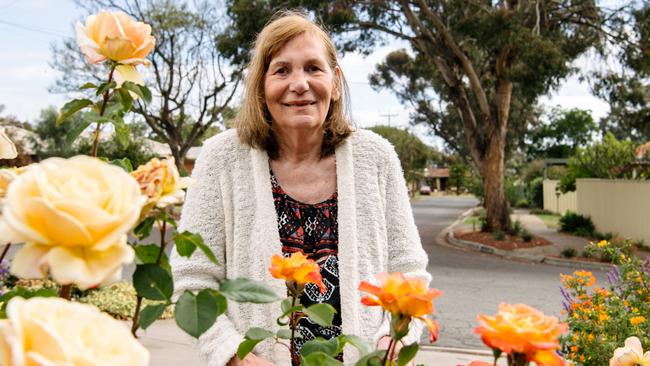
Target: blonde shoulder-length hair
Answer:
[[253, 121]]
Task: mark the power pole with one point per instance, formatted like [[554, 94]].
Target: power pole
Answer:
[[388, 115]]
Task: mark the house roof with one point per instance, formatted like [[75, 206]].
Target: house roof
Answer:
[[21, 137], [437, 172]]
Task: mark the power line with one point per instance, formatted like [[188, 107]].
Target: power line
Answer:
[[33, 28]]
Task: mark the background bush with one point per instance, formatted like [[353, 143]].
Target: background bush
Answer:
[[577, 224]]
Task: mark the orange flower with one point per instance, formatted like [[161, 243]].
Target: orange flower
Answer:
[[297, 269], [479, 363], [402, 296], [523, 329], [586, 276]]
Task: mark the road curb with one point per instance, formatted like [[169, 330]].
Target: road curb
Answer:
[[452, 241]]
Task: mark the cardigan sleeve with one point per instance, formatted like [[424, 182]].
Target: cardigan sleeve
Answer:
[[405, 252], [203, 214]]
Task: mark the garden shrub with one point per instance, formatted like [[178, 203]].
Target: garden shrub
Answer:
[[499, 235], [578, 224], [535, 192], [522, 203], [600, 318], [541, 211], [526, 235], [118, 300], [517, 227], [569, 253]]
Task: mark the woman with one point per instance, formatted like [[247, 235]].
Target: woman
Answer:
[[295, 176]]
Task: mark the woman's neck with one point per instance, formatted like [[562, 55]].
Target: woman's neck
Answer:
[[299, 146]]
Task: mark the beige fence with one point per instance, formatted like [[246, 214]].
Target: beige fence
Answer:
[[619, 206], [559, 203]]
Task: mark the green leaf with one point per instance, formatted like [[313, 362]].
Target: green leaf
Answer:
[[125, 99], [147, 253], [153, 282], [246, 347], [123, 163], [247, 290], [321, 314], [71, 108], [105, 86], [77, 128], [150, 314], [222, 303], [184, 247], [258, 334], [88, 86], [319, 359], [371, 359], [284, 333], [143, 229], [140, 90], [356, 342], [196, 240], [329, 347], [121, 131], [407, 353], [24, 293], [196, 314]]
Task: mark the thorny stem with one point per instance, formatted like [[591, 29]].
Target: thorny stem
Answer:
[[292, 322], [390, 347], [4, 252], [138, 305], [101, 112]]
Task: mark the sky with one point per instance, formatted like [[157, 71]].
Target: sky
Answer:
[[28, 27]]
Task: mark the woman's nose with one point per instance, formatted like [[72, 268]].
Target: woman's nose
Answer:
[[299, 82]]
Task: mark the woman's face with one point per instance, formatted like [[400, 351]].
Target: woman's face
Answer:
[[299, 85]]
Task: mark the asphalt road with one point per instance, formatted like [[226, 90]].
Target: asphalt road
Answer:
[[475, 283]]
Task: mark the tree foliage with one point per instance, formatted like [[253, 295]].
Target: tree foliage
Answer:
[[609, 159], [628, 89], [565, 132], [412, 152], [191, 81], [52, 142]]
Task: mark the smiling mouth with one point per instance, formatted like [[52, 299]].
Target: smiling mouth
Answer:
[[298, 104]]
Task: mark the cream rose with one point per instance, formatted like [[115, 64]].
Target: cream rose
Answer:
[[162, 184], [115, 36], [7, 175], [73, 214], [53, 331], [7, 148]]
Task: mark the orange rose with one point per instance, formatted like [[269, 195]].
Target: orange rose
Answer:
[[523, 329], [402, 296], [115, 36], [297, 269]]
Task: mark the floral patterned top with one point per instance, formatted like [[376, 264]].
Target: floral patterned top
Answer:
[[313, 230]]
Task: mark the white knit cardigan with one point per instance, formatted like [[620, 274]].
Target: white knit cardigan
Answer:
[[230, 204]]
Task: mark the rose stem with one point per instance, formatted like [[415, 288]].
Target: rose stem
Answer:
[[292, 318], [101, 112], [138, 305], [390, 346], [392, 351], [4, 252]]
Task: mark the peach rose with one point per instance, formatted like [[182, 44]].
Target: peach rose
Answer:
[[160, 181], [73, 215], [7, 148], [522, 329], [630, 355], [115, 36], [53, 331]]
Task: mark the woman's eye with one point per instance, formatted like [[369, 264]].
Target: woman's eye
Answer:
[[313, 68], [281, 71]]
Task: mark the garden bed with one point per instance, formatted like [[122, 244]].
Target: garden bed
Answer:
[[510, 242]]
